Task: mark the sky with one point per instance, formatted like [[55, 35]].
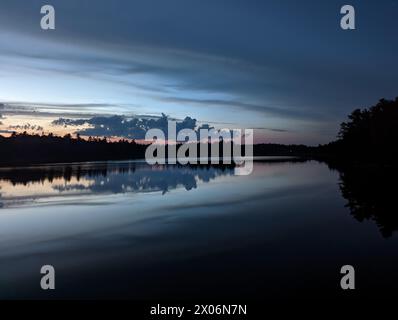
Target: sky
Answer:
[[282, 67]]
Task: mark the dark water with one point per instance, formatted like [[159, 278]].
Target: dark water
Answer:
[[127, 230]]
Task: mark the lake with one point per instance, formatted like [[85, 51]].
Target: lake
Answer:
[[133, 231]]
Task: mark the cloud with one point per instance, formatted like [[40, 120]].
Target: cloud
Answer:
[[1, 108], [127, 127], [26, 127], [271, 129], [263, 109], [1, 116], [43, 109], [175, 70]]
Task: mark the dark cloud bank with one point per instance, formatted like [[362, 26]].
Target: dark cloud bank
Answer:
[[126, 127]]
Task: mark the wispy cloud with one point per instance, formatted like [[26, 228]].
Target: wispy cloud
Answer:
[[51, 110], [257, 108], [26, 127]]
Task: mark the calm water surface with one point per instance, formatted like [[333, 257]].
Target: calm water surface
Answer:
[[128, 230]]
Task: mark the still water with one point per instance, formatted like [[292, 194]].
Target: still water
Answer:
[[129, 230]]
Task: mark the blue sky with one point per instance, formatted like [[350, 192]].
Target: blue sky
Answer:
[[282, 67]]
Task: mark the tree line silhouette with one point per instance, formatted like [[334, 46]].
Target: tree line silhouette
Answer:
[[24, 148], [365, 156], [31, 149], [369, 134]]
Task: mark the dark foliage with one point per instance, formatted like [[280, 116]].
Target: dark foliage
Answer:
[[369, 134], [30, 149], [370, 193], [22, 149], [272, 149]]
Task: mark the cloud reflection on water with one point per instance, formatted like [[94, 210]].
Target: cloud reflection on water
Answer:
[[31, 184]]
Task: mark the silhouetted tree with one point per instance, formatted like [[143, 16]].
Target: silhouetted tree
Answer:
[[26, 149], [368, 134]]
